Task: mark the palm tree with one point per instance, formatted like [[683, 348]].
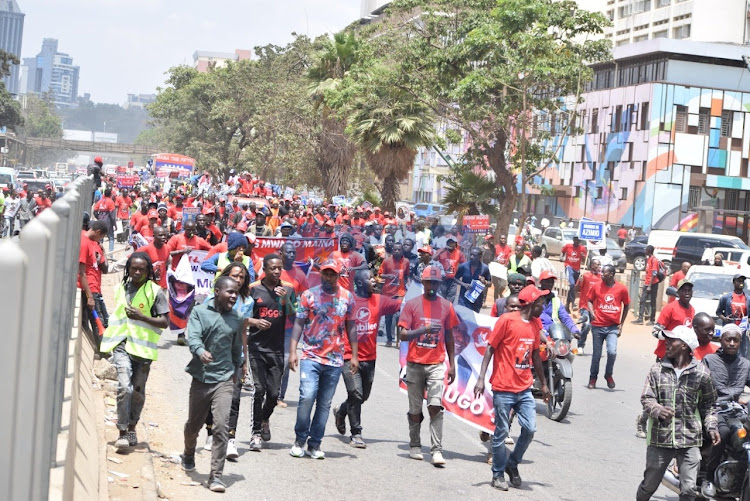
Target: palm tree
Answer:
[[335, 151], [389, 125], [470, 194]]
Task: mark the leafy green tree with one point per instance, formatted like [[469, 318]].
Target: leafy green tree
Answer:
[[335, 151], [388, 124], [10, 110], [469, 193], [104, 117], [490, 67]]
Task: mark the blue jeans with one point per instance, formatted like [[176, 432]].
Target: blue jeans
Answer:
[[525, 407], [572, 279], [317, 384], [585, 329], [599, 335]]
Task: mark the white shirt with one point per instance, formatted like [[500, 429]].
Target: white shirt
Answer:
[[539, 265]]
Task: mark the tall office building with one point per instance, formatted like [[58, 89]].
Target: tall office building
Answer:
[[372, 8], [52, 71], [697, 20], [11, 35]]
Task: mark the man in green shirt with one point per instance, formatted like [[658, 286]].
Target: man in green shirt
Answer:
[[215, 341]]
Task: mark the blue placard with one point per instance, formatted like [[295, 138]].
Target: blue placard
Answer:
[[590, 230]]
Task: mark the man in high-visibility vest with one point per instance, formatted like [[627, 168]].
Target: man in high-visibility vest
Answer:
[[141, 312]]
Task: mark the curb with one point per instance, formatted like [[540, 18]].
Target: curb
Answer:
[[148, 474]]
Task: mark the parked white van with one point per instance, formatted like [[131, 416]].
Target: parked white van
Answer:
[[7, 177]]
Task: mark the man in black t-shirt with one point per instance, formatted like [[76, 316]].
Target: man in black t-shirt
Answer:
[[274, 303]]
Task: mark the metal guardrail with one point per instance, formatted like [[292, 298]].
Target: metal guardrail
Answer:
[[36, 306]]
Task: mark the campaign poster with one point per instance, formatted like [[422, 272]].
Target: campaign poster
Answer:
[[310, 252], [470, 342], [476, 224], [189, 214], [204, 281], [402, 212]]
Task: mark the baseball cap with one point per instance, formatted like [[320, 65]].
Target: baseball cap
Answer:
[[682, 282], [286, 224], [451, 238], [242, 226], [489, 237], [739, 275], [432, 273], [426, 249], [330, 223], [684, 334], [153, 214], [531, 293], [330, 265], [516, 278], [547, 274]]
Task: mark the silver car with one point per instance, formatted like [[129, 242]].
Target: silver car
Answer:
[[554, 239]]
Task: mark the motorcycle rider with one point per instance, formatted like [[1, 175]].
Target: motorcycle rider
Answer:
[[675, 429], [516, 282], [554, 311], [730, 374], [734, 306]]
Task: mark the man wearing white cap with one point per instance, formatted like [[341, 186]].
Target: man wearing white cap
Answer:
[[729, 373], [675, 428]]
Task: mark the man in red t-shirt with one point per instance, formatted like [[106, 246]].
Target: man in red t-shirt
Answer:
[[368, 309], [349, 260], [677, 276], [92, 261], [608, 306], [574, 254], [704, 327], [513, 347], [622, 235], [394, 270], [503, 251], [648, 293], [450, 257], [585, 283], [185, 243], [123, 203], [673, 314], [158, 251], [427, 323]]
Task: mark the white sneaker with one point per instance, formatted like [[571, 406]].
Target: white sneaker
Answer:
[[509, 440], [315, 453], [232, 452], [209, 443], [416, 453], [437, 459], [296, 451]]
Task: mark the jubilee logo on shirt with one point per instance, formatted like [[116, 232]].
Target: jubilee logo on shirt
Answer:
[[609, 304]]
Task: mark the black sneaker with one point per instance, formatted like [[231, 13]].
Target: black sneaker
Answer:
[[637, 321], [188, 462], [340, 420], [181, 339], [500, 483], [515, 478]]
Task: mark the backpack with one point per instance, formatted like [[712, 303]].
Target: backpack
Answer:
[[661, 271]]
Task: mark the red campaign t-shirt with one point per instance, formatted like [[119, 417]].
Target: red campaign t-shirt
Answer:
[[608, 303], [159, 258], [574, 255], [739, 307], [297, 278], [503, 253], [347, 261], [676, 277], [514, 340], [587, 280], [450, 261], [672, 315], [418, 312], [137, 220], [179, 242], [367, 313], [622, 233], [396, 274], [701, 351], [105, 204], [91, 255], [123, 204]]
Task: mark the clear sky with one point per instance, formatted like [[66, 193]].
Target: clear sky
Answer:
[[126, 47]]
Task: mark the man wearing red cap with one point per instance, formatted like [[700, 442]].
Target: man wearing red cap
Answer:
[[325, 317], [427, 323], [608, 306], [513, 346]]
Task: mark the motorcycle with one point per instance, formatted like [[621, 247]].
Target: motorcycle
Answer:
[[558, 367], [732, 477]]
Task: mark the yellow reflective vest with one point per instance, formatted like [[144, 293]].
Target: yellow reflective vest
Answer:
[[141, 338], [224, 261]]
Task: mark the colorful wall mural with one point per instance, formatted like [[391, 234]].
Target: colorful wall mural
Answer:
[[642, 146]]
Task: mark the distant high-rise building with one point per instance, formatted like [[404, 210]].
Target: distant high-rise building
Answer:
[[11, 35], [52, 71], [202, 59], [372, 8]]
